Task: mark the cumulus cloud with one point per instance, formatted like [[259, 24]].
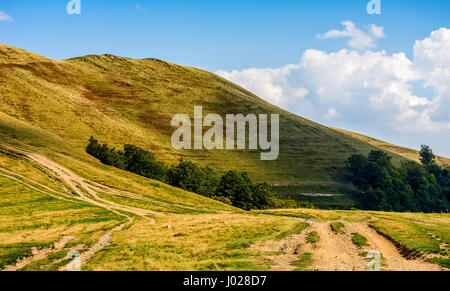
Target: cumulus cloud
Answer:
[[141, 8], [332, 114], [357, 38], [370, 87], [432, 62], [271, 84], [5, 17]]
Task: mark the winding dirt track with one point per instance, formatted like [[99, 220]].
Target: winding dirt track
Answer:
[[85, 190], [336, 252], [82, 187], [39, 255], [392, 259]]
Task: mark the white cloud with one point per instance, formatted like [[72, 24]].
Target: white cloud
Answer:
[[332, 114], [141, 8], [432, 62], [271, 84], [357, 38], [377, 31], [5, 17], [367, 88]]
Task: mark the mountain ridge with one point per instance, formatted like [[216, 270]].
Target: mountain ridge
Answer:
[[122, 100]]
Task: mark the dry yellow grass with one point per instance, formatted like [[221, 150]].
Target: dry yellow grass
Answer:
[[192, 242]]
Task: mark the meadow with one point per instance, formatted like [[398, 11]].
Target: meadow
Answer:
[[56, 199]]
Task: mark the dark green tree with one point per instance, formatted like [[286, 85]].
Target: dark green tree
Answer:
[[263, 196], [238, 188], [381, 158], [426, 156], [412, 187], [144, 163], [187, 176]]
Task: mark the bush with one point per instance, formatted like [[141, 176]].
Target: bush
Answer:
[[233, 188]]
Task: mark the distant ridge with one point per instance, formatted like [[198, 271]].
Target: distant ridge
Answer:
[[399, 150], [121, 100]]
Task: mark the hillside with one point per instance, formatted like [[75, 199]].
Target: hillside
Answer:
[[121, 100], [401, 151], [56, 201]]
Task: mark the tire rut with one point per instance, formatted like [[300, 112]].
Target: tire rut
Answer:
[[83, 188], [336, 251]]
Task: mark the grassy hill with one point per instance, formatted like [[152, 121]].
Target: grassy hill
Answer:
[[402, 151], [55, 199], [121, 100]]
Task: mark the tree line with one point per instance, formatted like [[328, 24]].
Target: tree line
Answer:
[[234, 188], [411, 187]]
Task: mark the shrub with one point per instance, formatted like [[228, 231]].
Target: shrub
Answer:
[[233, 188]]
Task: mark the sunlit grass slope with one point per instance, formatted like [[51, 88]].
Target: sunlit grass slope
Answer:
[[30, 219], [56, 106], [223, 242], [37, 211], [402, 151], [132, 190]]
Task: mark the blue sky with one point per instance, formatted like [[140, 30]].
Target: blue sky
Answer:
[[237, 35], [214, 34]]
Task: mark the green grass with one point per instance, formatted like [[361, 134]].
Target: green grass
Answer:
[[52, 263], [321, 215], [298, 228], [423, 233], [359, 240], [23, 209], [337, 227], [37, 265], [57, 256], [146, 193], [313, 237], [303, 262], [443, 262], [30, 219], [12, 253]]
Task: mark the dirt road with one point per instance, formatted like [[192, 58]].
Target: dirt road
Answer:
[[336, 251], [85, 190]]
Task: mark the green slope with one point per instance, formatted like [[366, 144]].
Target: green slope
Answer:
[[56, 106]]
